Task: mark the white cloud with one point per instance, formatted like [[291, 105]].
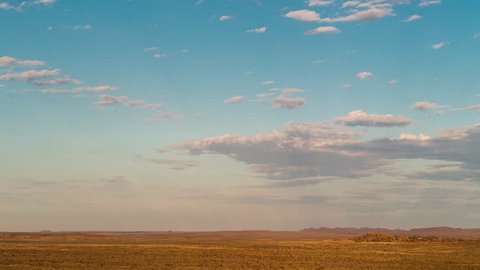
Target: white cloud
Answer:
[[319, 3], [109, 100], [413, 137], [440, 45], [363, 15], [424, 106], [257, 30], [45, 2], [476, 35], [267, 82], [149, 49], [393, 82], [426, 3], [364, 75], [56, 81], [288, 102], [160, 55], [323, 30], [25, 4], [225, 18], [349, 4], [303, 15], [470, 108], [167, 116], [282, 98], [8, 61], [29, 75], [84, 27], [361, 118], [95, 89], [6, 6], [347, 85], [412, 18], [234, 100]]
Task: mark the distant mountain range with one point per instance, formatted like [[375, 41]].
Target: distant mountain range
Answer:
[[434, 231]]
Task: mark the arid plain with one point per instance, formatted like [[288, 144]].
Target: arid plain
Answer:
[[307, 249]]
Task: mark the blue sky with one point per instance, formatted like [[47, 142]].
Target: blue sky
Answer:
[[204, 115]]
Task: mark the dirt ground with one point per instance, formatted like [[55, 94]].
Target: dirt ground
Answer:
[[180, 251]]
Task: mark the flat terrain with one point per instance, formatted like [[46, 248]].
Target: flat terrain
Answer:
[[247, 250]]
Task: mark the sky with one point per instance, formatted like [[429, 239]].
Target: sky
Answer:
[[239, 114]]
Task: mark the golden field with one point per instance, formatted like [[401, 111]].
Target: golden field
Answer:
[[233, 251]]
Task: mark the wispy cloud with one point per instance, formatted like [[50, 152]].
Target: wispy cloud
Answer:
[[225, 18], [234, 100], [426, 3], [361, 118], [412, 18], [323, 30], [267, 82], [425, 106], [440, 45], [8, 61], [363, 15], [364, 75], [303, 15], [149, 49], [257, 30], [319, 3]]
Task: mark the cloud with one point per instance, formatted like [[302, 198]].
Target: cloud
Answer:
[[312, 151], [323, 30], [364, 75], [346, 85], [288, 103], [393, 82], [110, 100], [44, 2], [167, 116], [303, 15], [284, 99], [6, 6], [413, 137], [426, 3], [412, 18], [56, 81], [36, 77], [172, 163], [8, 61], [234, 100], [440, 45], [298, 151], [319, 3], [424, 106], [258, 30], [225, 18], [267, 82], [25, 4], [476, 35], [149, 49], [159, 55], [349, 4], [95, 89], [470, 108], [84, 27], [30, 75], [361, 118], [363, 15]]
